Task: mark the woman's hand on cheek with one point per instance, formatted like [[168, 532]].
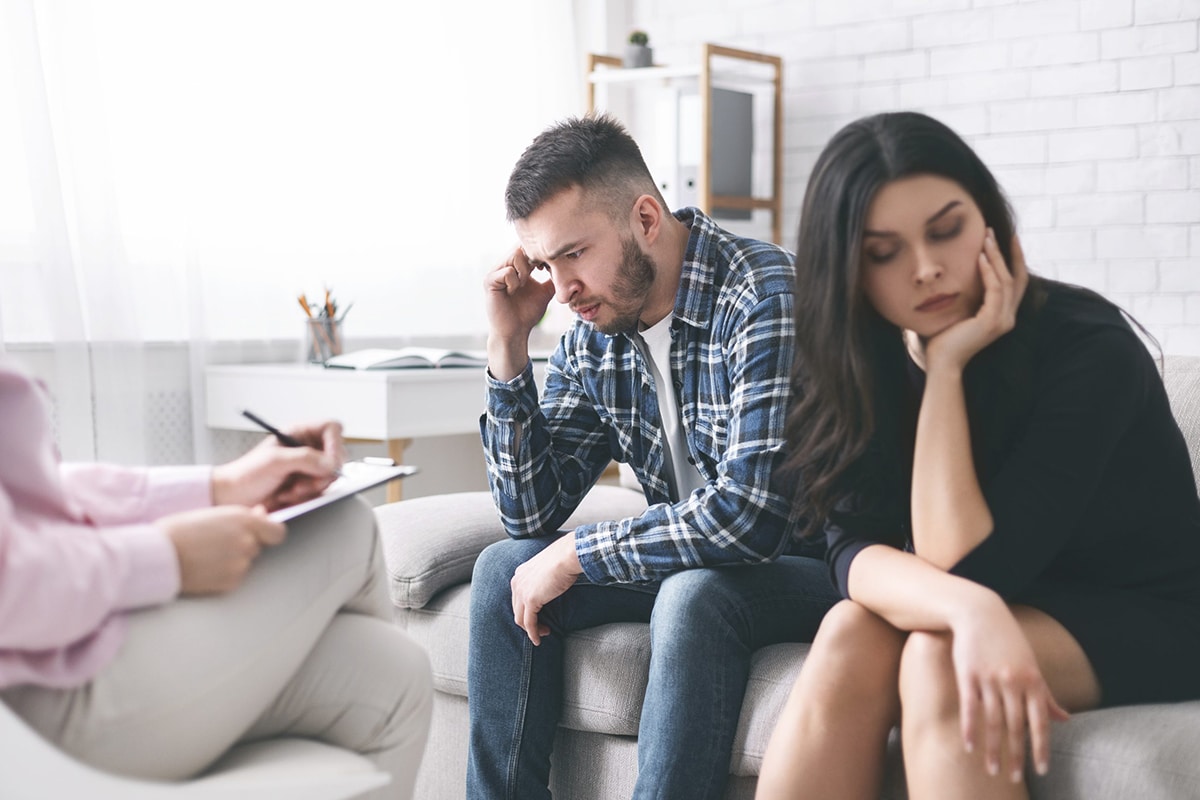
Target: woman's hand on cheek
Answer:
[[997, 315]]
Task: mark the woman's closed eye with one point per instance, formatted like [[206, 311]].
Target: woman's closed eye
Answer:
[[880, 255], [948, 230]]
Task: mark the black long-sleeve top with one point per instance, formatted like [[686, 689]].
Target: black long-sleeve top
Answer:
[[1095, 485]]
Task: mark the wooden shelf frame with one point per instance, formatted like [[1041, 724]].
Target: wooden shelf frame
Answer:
[[606, 69]]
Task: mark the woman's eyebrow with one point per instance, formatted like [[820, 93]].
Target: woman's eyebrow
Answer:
[[944, 210]]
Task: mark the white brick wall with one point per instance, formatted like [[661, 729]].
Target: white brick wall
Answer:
[[1087, 110]]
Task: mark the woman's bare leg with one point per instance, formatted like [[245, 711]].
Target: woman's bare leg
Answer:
[[936, 762], [830, 740]]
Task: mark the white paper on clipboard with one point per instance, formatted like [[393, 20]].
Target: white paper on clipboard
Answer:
[[357, 476]]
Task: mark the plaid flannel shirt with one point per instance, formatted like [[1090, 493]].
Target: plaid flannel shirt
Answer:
[[731, 355]]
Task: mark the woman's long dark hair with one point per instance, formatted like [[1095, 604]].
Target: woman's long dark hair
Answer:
[[850, 362]]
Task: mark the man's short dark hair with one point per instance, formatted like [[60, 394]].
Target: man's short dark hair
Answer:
[[594, 152]]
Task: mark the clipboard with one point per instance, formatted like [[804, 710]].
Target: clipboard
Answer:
[[357, 476]]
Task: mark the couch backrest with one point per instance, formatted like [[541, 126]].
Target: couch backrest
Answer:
[[1181, 374]]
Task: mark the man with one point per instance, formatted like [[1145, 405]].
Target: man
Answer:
[[678, 365]]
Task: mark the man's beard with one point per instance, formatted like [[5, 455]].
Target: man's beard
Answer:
[[630, 288]]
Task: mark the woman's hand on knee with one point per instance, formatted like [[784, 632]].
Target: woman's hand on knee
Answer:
[[1003, 696], [217, 546]]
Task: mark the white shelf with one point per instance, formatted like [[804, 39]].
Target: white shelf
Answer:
[[636, 74], [747, 77]]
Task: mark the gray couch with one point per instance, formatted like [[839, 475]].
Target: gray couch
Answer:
[[431, 544]]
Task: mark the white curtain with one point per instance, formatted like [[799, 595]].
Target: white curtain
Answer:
[[174, 174]]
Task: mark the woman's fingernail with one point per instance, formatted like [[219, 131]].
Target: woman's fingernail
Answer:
[[993, 768], [1016, 776]]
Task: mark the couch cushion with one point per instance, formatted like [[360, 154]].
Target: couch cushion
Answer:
[[440, 626], [773, 671], [1117, 753], [419, 565], [605, 667]]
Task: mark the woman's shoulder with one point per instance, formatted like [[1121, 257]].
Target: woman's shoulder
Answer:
[[1073, 315], [1078, 325]]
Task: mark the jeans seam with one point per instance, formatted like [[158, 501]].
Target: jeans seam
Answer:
[[518, 733]]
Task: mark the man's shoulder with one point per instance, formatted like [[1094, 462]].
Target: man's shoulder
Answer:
[[756, 269], [741, 263]]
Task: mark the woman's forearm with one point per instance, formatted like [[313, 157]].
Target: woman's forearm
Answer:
[[949, 514], [913, 595]]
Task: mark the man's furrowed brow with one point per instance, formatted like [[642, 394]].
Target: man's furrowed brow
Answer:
[[562, 251]]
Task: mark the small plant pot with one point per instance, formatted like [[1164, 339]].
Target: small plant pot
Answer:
[[637, 55]]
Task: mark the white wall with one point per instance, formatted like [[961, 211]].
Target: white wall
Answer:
[[1087, 110]]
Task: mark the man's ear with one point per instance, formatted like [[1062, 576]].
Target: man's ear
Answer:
[[647, 218]]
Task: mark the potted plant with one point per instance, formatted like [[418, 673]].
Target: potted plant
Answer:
[[637, 52]]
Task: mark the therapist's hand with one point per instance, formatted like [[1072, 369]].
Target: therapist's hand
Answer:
[[275, 476], [217, 546]]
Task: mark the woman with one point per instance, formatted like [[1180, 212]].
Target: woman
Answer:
[[151, 619], [1008, 502]]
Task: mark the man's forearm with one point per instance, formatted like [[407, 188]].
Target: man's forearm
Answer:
[[507, 357]]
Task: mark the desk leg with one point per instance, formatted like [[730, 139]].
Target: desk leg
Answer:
[[396, 447]]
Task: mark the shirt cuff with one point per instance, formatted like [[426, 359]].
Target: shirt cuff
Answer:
[[151, 565], [173, 489], [515, 400], [596, 546]]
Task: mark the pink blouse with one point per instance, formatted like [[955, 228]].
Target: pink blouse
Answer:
[[78, 545]]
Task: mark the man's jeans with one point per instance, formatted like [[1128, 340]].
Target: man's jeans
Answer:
[[704, 626]]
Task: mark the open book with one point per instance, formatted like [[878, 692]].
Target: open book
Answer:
[[406, 357]]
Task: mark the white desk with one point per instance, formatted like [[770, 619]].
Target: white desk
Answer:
[[392, 406]]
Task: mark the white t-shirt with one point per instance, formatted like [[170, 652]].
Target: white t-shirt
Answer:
[[656, 347]]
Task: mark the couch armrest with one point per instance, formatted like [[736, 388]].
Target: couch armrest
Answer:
[[431, 543]]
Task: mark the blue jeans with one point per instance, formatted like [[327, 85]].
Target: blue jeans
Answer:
[[704, 626]]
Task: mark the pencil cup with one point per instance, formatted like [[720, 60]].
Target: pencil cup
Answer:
[[322, 339]]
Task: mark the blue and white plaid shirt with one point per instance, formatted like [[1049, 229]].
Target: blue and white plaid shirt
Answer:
[[731, 355]]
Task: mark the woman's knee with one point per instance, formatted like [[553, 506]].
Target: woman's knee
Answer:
[[857, 647], [928, 689]]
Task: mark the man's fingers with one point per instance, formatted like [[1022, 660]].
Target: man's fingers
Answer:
[[524, 614], [512, 279], [529, 621]]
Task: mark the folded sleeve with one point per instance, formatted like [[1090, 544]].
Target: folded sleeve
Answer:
[[60, 579]]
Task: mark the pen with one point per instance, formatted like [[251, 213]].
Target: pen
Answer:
[[284, 439]]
